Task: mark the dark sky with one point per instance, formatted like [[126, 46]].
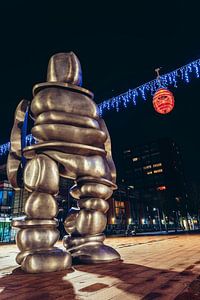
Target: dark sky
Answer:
[[119, 47]]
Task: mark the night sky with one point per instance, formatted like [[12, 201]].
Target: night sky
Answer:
[[119, 47]]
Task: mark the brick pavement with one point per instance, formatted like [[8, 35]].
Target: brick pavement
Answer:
[[153, 267]]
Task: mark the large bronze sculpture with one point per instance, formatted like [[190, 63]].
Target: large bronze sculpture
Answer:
[[72, 142]]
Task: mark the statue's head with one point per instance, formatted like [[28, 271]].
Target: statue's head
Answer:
[[66, 68]]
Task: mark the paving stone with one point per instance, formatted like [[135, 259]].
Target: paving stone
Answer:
[[152, 267]]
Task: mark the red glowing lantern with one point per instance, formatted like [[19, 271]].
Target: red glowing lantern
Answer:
[[163, 101]]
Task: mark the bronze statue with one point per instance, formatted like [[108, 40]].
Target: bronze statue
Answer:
[[72, 142]]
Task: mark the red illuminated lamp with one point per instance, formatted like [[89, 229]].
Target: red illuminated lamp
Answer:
[[163, 101], [161, 188]]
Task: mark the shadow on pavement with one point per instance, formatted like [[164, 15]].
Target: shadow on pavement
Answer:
[[146, 282], [21, 286]]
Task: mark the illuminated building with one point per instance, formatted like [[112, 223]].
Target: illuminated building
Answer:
[[119, 213], [155, 170]]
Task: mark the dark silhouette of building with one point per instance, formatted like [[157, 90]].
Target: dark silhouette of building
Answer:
[[154, 171]]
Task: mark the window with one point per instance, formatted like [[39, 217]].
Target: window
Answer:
[[158, 171], [119, 204], [147, 167], [149, 172], [127, 151], [119, 210], [157, 165], [135, 158]]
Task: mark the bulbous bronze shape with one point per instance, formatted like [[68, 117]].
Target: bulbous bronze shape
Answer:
[[73, 142]]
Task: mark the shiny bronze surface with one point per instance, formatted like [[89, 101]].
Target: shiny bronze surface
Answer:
[[38, 237], [64, 100], [73, 142], [40, 86], [46, 261], [69, 133], [64, 67], [70, 148], [97, 204], [73, 166], [91, 189], [35, 208], [55, 117], [14, 157], [41, 174], [35, 223]]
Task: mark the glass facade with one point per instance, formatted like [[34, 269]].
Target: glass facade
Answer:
[[6, 203]]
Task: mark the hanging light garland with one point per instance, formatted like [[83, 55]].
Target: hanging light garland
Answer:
[[184, 73]]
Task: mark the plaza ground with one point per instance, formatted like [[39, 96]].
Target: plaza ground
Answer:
[[152, 267]]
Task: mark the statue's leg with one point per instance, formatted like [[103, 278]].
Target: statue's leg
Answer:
[[85, 227], [38, 233]]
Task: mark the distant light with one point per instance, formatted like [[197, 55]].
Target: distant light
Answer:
[[131, 186], [149, 173], [157, 165], [127, 151], [135, 158], [147, 167], [161, 188], [6, 219], [158, 171]]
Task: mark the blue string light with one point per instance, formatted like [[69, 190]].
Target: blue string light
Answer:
[[183, 73], [5, 148]]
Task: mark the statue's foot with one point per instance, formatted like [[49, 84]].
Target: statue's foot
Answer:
[[46, 261], [90, 249], [94, 254]]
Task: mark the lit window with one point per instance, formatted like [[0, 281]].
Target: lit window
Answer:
[[117, 210], [158, 171], [119, 204], [147, 167], [150, 172], [157, 165], [135, 158], [130, 187], [127, 151]]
